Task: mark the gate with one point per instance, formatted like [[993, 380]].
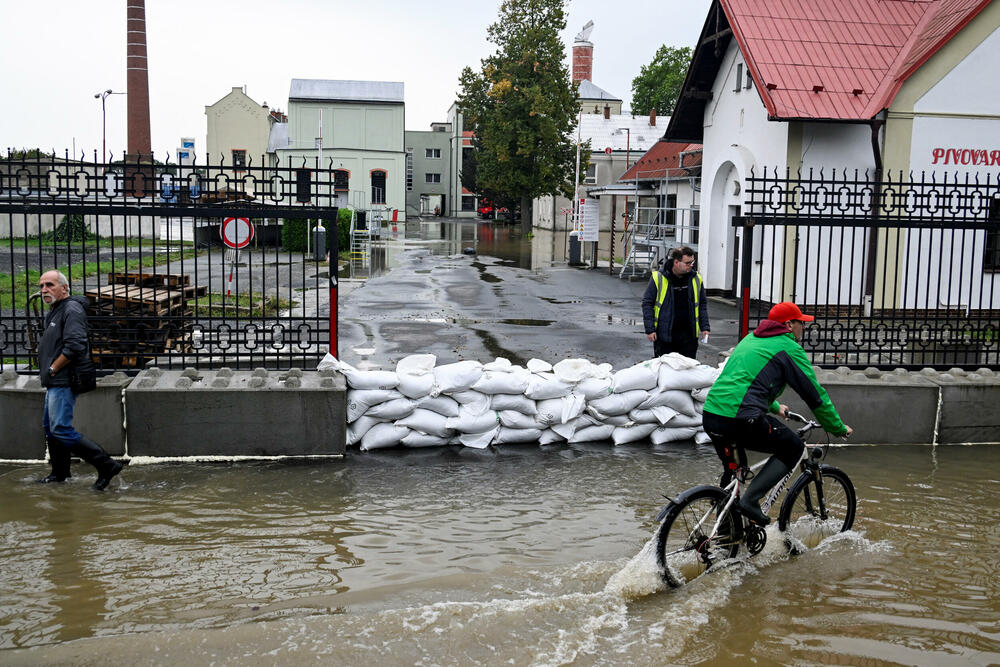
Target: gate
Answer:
[[149, 245], [898, 272]]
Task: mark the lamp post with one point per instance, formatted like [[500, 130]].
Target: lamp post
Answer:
[[628, 144], [103, 96]]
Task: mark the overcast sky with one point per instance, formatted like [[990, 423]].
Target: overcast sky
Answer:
[[56, 54]]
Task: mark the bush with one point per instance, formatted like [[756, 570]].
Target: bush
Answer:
[[293, 232]]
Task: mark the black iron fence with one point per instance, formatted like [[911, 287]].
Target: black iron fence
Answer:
[[184, 265], [899, 272]]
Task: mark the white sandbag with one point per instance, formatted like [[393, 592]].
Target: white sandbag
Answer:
[[383, 435], [443, 405], [416, 364], [669, 434], [687, 379], [539, 366], [593, 433], [641, 376], [499, 364], [676, 399], [541, 387], [392, 410], [549, 437], [623, 434], [479, 440], [415, 386], [561, 410], [702, 438], [360, 400], [458, 376], [357, 429], [660, 414], [499, 382], [596, 387], [573, 370], [681, 421], [569, 428], [518, 402], [616, 420], [617, 404], [508, 436], [367, 379], [467, 422], [416, 439], [700, 395], [699, 407], [328, 363], [678, 361], [515, 419], [426, 421], [473, 402]]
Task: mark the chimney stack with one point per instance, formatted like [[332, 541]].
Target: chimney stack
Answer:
[[607, 112], [652, 117], [583, 55], [139, 142]]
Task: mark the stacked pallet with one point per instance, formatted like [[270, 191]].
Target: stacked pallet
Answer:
[[136, 316]]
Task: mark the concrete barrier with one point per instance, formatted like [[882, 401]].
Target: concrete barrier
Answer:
[[970, 405], [236, 413]]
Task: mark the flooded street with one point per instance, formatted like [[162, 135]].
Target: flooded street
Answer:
[[519, 555]]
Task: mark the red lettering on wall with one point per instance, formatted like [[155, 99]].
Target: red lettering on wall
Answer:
[[994, 158], [973, 156]]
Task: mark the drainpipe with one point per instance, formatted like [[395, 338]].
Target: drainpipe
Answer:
[[870, 268]]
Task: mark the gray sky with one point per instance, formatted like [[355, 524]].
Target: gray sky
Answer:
[[56, 54]]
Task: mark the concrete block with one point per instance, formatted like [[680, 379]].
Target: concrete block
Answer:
[[882, 407], [970, 406], [100, 414], [236, 413]]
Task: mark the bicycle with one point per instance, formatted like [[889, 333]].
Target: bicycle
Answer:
[[703, 526]]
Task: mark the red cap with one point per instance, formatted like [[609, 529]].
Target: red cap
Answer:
[[786, 311]]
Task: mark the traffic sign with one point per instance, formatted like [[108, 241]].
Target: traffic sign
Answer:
[[236, 232]]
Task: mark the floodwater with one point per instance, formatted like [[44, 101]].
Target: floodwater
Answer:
[[520, 555]]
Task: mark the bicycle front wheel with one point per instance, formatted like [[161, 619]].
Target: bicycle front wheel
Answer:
[[813, 511], [685, 544]]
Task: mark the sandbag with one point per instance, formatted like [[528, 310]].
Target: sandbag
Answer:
[[367, 379], [675, 399], [518, 402], [700, 395], [443, 405], [669, 434], [573, 370], [499, 364], [660, 415], [595, 387], [549, 437], [541, 387], [479, 440], [702, 438], [472, 401], [687, 379], [617, 404], [560, 410], [397, 408], [623, 434], [416, 439], [515, 419], [593, 433], [360, 400], [569, 428], [507, 436], [641, 376], [539, 366], [616, 420], [383, 435], [458, 376], [498, 382], [426, 421], [416, 364], [680, 421], [473, 423], [415, 386], [357, 429]]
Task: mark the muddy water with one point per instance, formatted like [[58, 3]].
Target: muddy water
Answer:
[[523, 555]]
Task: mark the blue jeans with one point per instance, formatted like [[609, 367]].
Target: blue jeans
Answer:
[[58, 418]]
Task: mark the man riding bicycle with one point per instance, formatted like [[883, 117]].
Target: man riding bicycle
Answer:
[[736, 411]]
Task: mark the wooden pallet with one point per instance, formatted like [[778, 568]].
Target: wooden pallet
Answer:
[[150, 279]]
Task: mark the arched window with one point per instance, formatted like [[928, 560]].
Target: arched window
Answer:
[[378, 186]]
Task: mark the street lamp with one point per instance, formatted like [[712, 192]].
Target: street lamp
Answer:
[[103, 95], [628, 144]]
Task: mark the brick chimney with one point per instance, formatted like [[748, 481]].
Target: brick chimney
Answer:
[[652, 117], [583, 55], [607, 112], [139, 142]]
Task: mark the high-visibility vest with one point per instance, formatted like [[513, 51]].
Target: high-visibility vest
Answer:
[[662, 285]]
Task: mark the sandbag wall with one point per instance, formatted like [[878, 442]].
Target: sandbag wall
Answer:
[[477, 405]]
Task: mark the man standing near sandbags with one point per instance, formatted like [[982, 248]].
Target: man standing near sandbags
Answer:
[[736, 410], [674, 307]]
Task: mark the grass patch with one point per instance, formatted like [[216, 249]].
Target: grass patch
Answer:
[[95, 243], [216, 304]]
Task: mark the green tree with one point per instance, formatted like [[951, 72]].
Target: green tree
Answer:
[[659, 83], [522, 106]]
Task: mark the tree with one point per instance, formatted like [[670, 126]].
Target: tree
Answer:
[[659, 83], [522, 106]]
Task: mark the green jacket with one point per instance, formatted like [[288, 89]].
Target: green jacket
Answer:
[[761, 365]]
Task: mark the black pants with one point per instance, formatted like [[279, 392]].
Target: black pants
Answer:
[[761, 434], [688, 348]]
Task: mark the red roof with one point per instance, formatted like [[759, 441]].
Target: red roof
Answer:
[[840, 59], [662, 159]]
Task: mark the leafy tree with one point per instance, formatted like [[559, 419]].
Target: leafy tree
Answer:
[[25, 154], [659, 83], [522, 106]]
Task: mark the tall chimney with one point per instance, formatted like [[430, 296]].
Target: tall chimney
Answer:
[[607, 112], [583, 55], [139, 142], [652, 117]]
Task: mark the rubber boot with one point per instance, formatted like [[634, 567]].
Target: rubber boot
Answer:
[[92, 453], [769, 475], [59, 455]]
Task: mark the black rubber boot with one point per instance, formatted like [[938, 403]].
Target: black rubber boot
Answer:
[[762, 482], [59, 455], [92, 453]]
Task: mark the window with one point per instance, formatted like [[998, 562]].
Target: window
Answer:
[[991, 261], [432, 153], [432, 178], [378, 186], [468, 202], [239, 159], [341, 180], [591, 176], [739, 78], [409, 169]]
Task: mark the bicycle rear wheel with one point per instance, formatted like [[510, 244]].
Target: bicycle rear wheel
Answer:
[[813, 512], [683, 549]]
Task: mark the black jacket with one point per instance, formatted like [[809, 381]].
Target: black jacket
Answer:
[[65, 333], [664, 326]]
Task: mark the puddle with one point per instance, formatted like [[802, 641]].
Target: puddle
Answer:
[[493, 347], [484, 275], [557, 301], [623, 321], [528, 323]]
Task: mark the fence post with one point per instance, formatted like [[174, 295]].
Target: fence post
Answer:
[[746, 255]]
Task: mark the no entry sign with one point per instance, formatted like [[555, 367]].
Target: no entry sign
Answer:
[[236, 232]]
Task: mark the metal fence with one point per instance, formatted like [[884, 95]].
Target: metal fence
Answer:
[[204, 265], [900, 272]]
